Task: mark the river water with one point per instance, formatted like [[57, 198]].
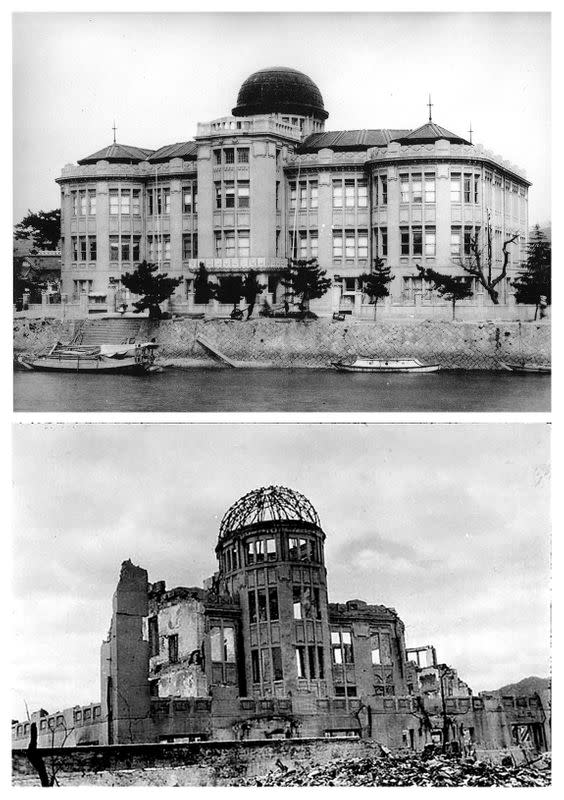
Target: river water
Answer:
[[287, 390]]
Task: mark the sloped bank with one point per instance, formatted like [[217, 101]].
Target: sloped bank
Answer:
[[316, 343]]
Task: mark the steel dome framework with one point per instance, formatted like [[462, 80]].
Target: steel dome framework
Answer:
[[269, 503]]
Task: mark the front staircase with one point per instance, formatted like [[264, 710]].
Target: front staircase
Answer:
[[112, 330]]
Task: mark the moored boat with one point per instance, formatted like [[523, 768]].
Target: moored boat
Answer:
[[385, 365], [527, 369], [132, 358]]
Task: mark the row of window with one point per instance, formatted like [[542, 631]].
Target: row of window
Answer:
[[263, 605], [266, 665], [127, 247], [231, 155], [417, 241], [232, 194], [127, 202], [306, 602], [231, 244], [352, 244], [80, 717]]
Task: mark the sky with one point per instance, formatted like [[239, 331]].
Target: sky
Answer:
[[446, 523], [157, 75]]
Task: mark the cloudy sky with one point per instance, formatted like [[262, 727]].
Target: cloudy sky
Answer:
[[449, 524], [157, 75]]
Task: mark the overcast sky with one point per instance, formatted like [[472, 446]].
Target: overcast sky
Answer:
[[448, 524], [157, 75]]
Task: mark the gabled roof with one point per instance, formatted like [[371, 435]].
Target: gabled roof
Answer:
[[350, 140], [186, 150], [118, 154], [429, 133]]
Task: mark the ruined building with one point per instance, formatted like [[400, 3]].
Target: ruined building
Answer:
[[259, 652]]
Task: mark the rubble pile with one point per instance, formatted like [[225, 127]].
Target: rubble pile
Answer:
[[408, 770]]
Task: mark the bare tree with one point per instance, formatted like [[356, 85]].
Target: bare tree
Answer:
[[479, 262]]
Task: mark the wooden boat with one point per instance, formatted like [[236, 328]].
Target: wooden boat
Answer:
[[385, 365], [135, 358], [527, 369]]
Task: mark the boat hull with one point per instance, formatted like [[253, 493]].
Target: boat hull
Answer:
[[522, 369], [92, 366], [417, 369]]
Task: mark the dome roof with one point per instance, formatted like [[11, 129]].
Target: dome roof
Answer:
[[279, 90], [266, 504]]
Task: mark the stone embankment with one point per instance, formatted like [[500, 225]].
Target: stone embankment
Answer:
[[316, 343]]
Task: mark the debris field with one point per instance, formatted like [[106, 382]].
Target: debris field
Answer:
[[408, 770]]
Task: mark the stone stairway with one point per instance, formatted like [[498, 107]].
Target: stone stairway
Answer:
[[107, 331]]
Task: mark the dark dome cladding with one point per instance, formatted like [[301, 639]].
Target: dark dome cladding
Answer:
[[279, 90], [266, 504]]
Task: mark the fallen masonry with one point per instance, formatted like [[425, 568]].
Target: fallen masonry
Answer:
[[408, 770]]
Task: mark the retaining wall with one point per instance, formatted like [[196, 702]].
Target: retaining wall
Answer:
[[316, 343]]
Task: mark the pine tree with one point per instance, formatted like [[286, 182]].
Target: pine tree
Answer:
[[452, 288], [533, 284], [251, 288], [375, 283], [204, 291], [154, 288], [230, 290], [42, 227], [304, 279]]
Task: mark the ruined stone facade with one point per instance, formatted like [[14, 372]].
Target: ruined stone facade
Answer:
[[259, 652]]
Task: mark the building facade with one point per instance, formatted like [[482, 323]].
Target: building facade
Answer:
[[260, 652], [269, 183]]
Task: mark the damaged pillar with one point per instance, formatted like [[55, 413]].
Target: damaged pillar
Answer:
[[125, 661]]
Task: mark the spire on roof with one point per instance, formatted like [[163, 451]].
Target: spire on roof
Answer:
[[430, 107], [114, 130], [470, 132]]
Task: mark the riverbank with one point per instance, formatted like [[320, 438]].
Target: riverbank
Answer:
[[284, 343]]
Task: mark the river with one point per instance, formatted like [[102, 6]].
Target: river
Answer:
[[281, 390]]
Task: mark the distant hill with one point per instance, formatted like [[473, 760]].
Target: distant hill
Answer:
[[525, 687]]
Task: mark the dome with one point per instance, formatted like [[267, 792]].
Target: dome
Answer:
[[279, 90], [265, 505]]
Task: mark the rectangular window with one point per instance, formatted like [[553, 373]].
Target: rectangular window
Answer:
[[467, 241], [430, 242], [125, 201], [337, 194], [303, 196], [229, 187], [349, 193], [277, 672], [404, 239], [229, 645], [187, 200], [114, 248], [337, 245], [455, 187], [92, 248], [384, 185], [347, 647], [292, 196], [242, 155], [416, 189], [173, 648], [336, 647], [404, 188], [417, 236], [243, 194], [302, 248], [455, 241], [218, 244], [243, 244], [187, 246], [136, 248], [273, 603], [260, 550], [297, 601], [229, 244], [313, 194], [252, 606], [217, 194], [217, 157], [362, 189], [271, 549], [429, 188], [166, 196], [363, 245], [313, 244], [166, 240], [476, 184], [74, 203], [265, 664], [255, 666], [125, 249], [136, 202], [320, 662], [229, 155], [82, 203], [150, 202], [82, 247], [215, 644], [300, 662], [384, 235], [114, 202], [467, 188], [92, 202], [349, 245], [312, 661]]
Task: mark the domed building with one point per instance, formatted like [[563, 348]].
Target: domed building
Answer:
[[269, 183], [259, 653]]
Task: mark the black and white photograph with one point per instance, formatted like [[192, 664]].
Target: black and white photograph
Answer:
[[282, 212], [282, 605]]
